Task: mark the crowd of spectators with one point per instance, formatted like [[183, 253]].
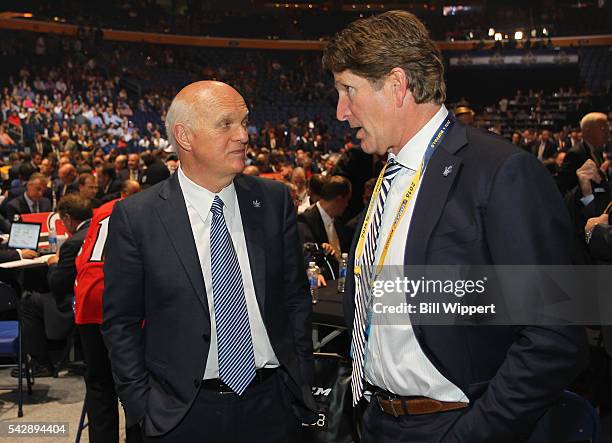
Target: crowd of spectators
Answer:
[[283, 20], [87, 119]]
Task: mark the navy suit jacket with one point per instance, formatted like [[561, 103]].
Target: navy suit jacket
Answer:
[[498, 206], [153, 273]]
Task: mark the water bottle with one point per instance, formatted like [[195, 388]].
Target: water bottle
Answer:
[[313, 280], [342, 273], [52, 240]]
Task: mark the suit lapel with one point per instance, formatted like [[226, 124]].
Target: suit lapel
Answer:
[[25, 208], [437, 182], [173, 214], [318, 221], [252, 207]]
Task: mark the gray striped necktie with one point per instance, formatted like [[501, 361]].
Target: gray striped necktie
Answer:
[[363, 290], [234, 342]]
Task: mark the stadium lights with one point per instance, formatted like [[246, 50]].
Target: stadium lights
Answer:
[[498, 37], [518, 35], [491, 32]]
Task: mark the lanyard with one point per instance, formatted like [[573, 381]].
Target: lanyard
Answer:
[[403, 206]]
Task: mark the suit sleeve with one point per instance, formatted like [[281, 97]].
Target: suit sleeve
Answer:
[[61, 275], [299, 302], [11, 211], [123, 310], [600, 246], [567, 179], [525, 223]]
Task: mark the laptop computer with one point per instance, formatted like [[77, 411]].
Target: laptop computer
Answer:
[[24, 235]]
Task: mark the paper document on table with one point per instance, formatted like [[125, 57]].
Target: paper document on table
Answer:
[[26, 262]]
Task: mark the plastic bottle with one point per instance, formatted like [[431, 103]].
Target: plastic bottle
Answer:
[[52, 240], [313, 280], [343, 271]]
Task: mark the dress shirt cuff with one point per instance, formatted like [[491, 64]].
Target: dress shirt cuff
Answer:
[[587, 200]]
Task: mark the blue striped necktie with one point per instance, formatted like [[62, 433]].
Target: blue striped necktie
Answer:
[[363, 289], [234, 343]]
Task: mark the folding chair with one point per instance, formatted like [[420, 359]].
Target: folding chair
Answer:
[[10, 343], [82, 423]]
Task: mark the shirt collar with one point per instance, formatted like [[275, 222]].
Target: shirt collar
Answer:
[[81, 224], [327, 220], [201, 198], [412, 153]]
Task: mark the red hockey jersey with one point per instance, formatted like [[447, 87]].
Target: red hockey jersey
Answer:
[[89, 282]]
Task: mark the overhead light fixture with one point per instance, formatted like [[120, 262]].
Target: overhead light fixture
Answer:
[[491, 32], [27, 15], [545, 31], [518, 35], [498, 37], [534, 33], [471, 35]]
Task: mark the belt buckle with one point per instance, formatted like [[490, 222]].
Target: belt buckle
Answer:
[[388, 397]]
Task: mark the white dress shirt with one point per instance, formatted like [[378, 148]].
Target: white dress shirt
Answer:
[[394, 358], [330, 229], [199, 201]]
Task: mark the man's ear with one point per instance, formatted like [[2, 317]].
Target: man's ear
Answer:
[[182, 135], [399, 84]]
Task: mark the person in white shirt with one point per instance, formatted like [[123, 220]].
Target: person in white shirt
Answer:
[[449, 195], [226, 351]]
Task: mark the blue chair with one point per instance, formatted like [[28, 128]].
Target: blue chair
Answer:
[[571, 419], [10, 343]]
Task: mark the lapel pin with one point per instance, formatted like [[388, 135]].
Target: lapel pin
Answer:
[[447, 170], [256, 204]]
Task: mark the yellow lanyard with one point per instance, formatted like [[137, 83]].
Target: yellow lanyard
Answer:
[[401, 211], [403, 206]]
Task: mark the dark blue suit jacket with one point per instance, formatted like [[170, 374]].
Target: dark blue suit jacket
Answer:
[[498, 206], [153, 273]]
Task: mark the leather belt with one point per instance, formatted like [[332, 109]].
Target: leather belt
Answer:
[[215, 384], [397, 406]]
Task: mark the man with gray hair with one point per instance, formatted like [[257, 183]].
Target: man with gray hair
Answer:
[[587, 154], [210, 262], [32, 200]]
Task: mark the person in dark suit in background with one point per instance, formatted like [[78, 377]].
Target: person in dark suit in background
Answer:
[[320, 223], [155, 171], [358, 166], [595, 134], [88, 189], [202, 253], [49, 316], [32, 200], [598, 234], [67, 182], [443, 383], [121, 167], [586, 201], [546, 148], [109, 186], [133, 167]]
